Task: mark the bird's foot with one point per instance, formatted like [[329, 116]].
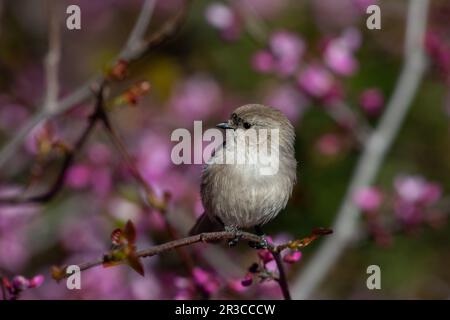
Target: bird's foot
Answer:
[[237, 235], [263, 244]]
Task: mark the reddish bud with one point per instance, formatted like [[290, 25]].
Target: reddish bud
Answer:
[[132, 95], [116, 237], [292, 257], [265, 255], [20, 283], [248, 280], [36, 281], [119, 70]]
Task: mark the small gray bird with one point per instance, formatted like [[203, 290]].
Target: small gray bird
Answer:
[[237, 195]]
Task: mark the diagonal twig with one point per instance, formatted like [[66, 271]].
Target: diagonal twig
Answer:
[[52, 58], [83, 93]]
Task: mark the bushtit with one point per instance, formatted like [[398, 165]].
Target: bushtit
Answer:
[[242, 195]]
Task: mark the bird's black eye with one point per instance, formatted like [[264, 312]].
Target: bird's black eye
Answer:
[[247, 125]]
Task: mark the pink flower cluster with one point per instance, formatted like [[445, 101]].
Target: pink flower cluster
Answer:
[[371, 101], [19, 283], [284, 57], [414, 203], [266, 268], [224, 19], [414, 196], [368, 199], [439, 51], [95, 173], [201, 278]]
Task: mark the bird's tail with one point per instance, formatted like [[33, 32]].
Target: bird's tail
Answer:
[[205, 224]]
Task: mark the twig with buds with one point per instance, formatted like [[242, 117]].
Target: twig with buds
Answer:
[[124, 250]]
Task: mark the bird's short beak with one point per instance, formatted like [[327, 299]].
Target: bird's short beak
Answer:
[[224, 125]]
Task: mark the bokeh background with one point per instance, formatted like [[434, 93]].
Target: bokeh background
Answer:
[[314, 60]]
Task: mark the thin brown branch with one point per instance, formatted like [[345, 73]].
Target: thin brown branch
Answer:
[[167, 32], [137, 34], [183, 242], [208, 237], [282, 280], [69, 156]]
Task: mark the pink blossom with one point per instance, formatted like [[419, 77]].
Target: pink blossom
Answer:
[[153, 156], [292, 257], [206, 280], [289, 100], [200, 275], [339, 57], [263, 61], [224, 19], [271, 266], [248, 280], [368, 199], [316, 80], [20, 283], [36, 281], [433, 193], [414, 193], [236, 285], [78, 176], [371, 100], [196, 98], [182, 282], [219, 15], [410, 188], [439, 52], [407, 212], [265, 255], [287, 49]]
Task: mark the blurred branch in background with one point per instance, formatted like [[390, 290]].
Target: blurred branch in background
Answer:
[[132, 51], [379, 142], [53, 57], [135, 40]]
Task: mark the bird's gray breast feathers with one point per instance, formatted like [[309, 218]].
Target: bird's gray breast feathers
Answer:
[[239, 195]]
